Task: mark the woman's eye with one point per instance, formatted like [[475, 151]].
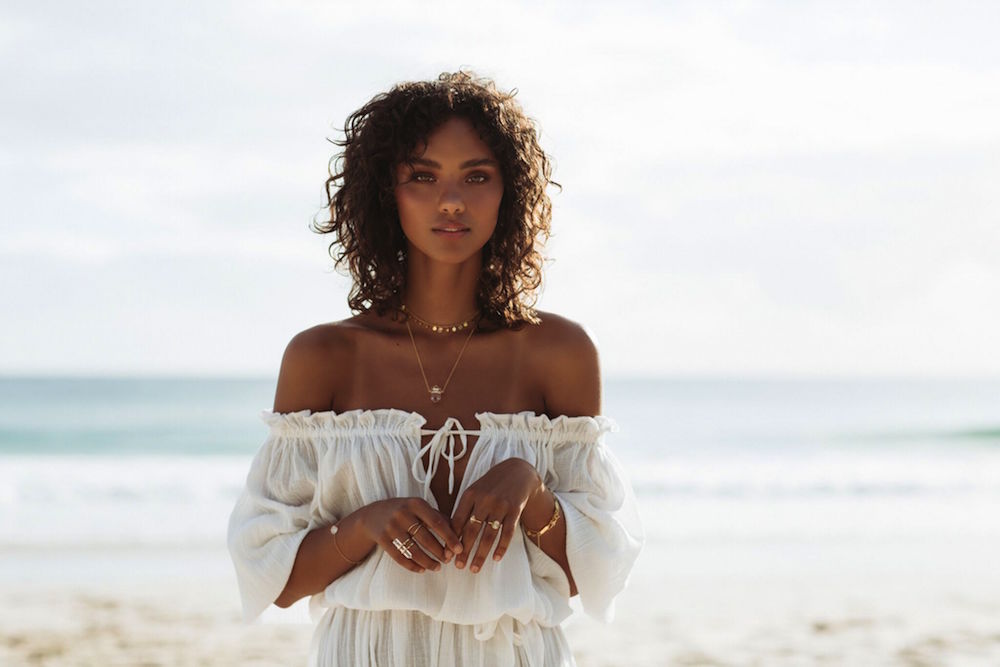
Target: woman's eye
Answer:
[[424, 177]]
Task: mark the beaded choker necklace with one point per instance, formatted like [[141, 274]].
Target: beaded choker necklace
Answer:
[[440, 328]]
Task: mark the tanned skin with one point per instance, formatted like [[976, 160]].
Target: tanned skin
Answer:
[[367, 362]]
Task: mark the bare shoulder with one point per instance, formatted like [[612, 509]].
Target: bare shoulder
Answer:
[[558, 331], [566, 356], [313, 366]]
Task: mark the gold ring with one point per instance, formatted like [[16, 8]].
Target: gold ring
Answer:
[[473, 519], [495, 525], [411, 532], [408, 542]]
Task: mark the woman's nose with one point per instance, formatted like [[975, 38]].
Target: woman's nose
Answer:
[[451, 203]]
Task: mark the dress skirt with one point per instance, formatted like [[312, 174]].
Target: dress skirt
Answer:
[[404, 638]]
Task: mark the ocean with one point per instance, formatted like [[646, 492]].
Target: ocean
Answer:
[[126, 464]]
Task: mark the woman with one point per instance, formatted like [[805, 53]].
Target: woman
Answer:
[[445, 545]]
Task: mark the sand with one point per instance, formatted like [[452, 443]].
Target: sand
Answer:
[[87, 628], [687, 604]]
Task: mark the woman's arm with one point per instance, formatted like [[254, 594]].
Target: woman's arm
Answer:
[[571, 382], [537, 514], [305, 381], [569, 374], [318, 562], [603, 533], [324, 557]]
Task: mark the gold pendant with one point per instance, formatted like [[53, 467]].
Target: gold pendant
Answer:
[[436, 394]]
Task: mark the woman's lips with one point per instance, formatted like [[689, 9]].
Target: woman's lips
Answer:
[[450, 229]]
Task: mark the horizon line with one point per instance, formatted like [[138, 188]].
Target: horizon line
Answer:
[[612, 377]]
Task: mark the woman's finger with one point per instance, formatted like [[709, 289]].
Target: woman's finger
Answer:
[[506, 535], [485, 543], [435, 522], [423, 536], [462, 511], [417, 554], [469, 534], [426, 540]]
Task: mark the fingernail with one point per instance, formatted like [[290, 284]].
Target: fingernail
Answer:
[[459, 564], [475, 568], [458, 549], [497, 556], [447, 555]]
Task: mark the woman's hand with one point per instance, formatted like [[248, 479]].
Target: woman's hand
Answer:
[[499, 495], [399, 518]]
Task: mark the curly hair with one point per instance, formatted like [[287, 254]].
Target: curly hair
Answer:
[[361, 200]]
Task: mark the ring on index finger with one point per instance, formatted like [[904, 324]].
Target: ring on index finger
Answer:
[[414, 529], [495, 524], [473, 519]]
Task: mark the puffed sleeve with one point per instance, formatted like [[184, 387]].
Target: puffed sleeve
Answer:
[[273, 514], [603, 531]]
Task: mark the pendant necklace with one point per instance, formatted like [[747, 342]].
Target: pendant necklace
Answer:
[[436, 392]]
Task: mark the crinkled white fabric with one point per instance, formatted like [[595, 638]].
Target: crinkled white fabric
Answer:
[[403, 638], [314, 468]]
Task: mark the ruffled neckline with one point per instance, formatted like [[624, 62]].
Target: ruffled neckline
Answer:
[[394, 420]]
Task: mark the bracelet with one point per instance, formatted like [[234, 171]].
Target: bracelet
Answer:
[[333, 531], [537, 534]]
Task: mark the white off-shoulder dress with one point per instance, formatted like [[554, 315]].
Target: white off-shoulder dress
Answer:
[[314, 468]]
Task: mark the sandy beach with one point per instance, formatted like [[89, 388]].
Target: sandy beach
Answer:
[[766, 545], [694, 604]]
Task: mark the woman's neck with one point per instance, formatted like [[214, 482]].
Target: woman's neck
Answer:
[[441, 293]]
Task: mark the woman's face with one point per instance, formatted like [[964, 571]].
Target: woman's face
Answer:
[[448, 203]]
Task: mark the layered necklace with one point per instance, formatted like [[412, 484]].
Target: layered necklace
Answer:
[[437, 392]]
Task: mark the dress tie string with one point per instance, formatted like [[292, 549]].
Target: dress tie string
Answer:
[[443, 438]]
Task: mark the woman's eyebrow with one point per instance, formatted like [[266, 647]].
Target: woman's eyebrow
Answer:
[[468, 163]]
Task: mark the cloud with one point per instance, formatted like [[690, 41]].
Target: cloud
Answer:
[[748, 186]]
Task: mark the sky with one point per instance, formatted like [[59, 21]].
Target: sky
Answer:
[[749, 188]]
